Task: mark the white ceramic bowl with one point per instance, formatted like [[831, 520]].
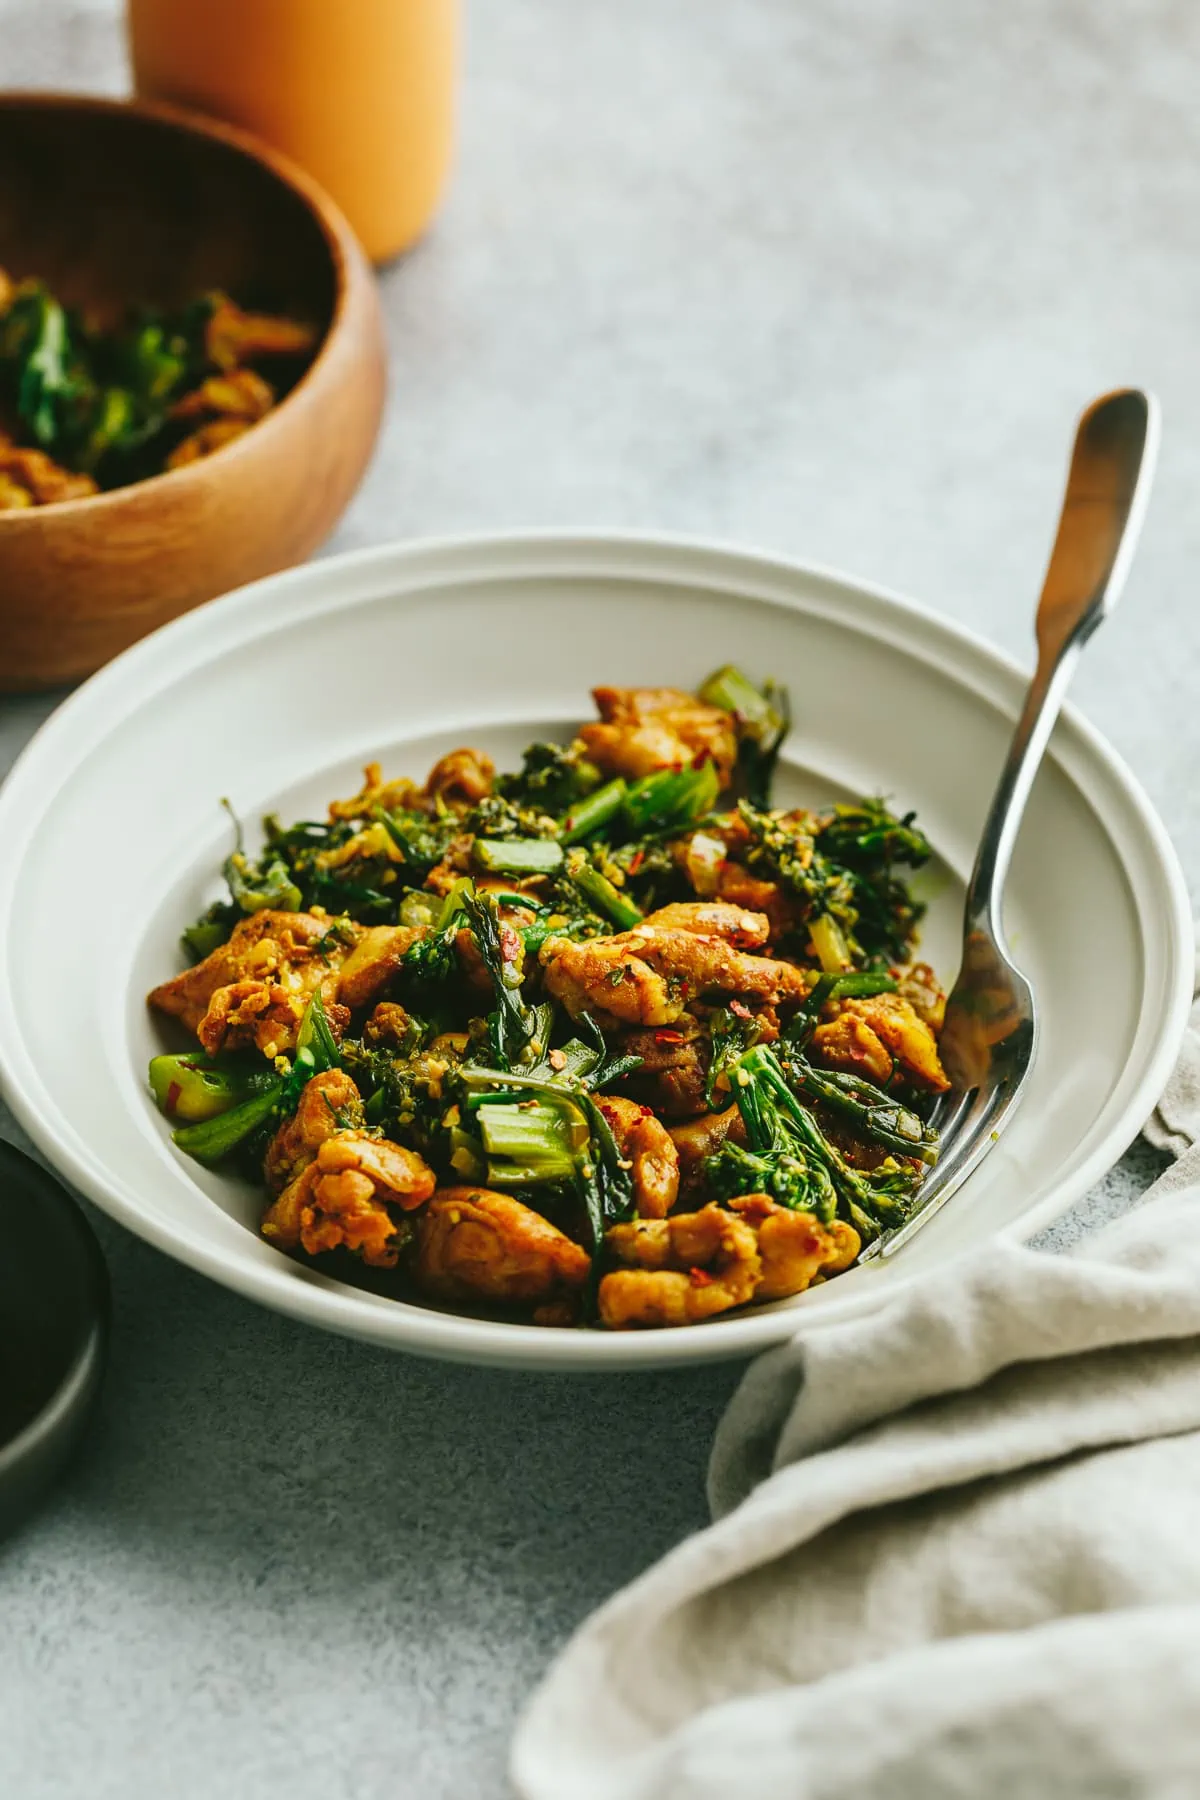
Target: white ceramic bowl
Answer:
[[278, 694]]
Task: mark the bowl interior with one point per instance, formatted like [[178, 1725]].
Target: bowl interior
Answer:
[[114, 207], [277, 697]]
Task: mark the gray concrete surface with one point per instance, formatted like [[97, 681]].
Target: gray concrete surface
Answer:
[[829, 278]]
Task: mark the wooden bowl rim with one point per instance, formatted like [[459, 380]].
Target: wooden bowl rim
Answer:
[[340, 242]]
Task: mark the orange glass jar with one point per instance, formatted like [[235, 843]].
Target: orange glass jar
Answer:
[[358, 92]]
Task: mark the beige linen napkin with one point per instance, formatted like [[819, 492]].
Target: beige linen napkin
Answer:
[[957, 1549]]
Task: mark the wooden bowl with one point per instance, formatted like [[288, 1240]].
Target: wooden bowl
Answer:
[[112, 204]]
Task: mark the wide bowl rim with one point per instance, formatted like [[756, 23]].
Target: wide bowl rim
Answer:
[[65, 739], [337, 235]]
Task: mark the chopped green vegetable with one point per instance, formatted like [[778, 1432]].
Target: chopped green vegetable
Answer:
[[671, 797], [553, 776], [528, 1144], [258, 887], [592, 814], [732, 1036], [841, 868], [598, 891], [517, 856], [829, 944], [194, 1087], [35, 335], [598, 1176], [205, 936], [762, 716], [513, 1026], [216, 1138], [789, 1157]]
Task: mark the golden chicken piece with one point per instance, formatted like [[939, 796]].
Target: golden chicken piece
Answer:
[[703, 963], [646, 729], [645, 1142], [232, 337], [330, 1103], [735, 925], [461, 778], [45, 481], [255, 988], [738, 886], [646, 976], [849, 1044], [795, 1247], [683, 1269], [240, 394], [341, 1199], [399, 1175], [392, 796], [373, 962], [697, 1139], [206, 441], [603, 976], [674, 1067], [878, 1036], [473, 1243], [8, 291]]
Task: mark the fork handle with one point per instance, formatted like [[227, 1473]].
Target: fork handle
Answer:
[[1112, 466]]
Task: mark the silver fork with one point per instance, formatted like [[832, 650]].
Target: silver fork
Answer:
[[990, 1036]]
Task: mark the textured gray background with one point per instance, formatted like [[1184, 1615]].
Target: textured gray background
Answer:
[[831, 277]]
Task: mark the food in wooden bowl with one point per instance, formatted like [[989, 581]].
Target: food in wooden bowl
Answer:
[[122, 224], [84, 408]]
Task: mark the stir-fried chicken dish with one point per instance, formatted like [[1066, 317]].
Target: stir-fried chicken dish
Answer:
[[83, 407], [606, 1041]]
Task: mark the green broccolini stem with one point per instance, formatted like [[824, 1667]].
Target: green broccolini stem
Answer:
[[671, 797], [735, 693], [602, 896], [872, 1112], [762, 716], [204, 937], [213, 1139], [528, 1143], [518, 856], [192, 1087], [592, 814]]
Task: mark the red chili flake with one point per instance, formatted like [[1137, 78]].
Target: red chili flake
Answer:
[[510, 944], [636, 861], [668, 1037], [173, 1093], [740, 1009], [699, 1277], [700, 758]]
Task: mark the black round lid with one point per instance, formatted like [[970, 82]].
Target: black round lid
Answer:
[[53, 1330]]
